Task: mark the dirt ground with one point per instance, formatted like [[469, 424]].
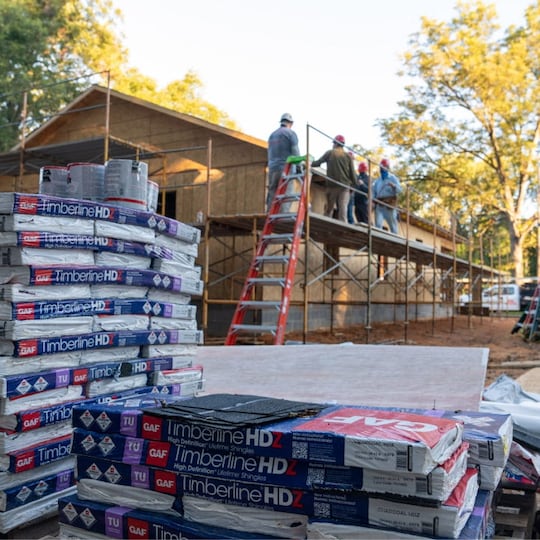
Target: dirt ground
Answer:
[[508, 353]]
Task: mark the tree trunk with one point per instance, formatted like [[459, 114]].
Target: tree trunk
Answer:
[[516, 249]]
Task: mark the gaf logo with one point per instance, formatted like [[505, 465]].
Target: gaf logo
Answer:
[[24, 463], [157, 453], [43, 277], [151, 427], [28, 348], [28, 205], [373, 421], [32, 239], [166, 485], [33, 421], [25, 311], [80, 376], [137, 528]]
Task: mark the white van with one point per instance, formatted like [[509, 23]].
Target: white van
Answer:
[[503, 297]]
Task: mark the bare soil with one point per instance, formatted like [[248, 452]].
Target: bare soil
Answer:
[[508, 353]]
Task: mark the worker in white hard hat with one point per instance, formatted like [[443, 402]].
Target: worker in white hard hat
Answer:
[[282, 143]]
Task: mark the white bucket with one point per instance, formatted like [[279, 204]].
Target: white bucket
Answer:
[[86, 181], [53, 180], [152, 195], [126, 183]]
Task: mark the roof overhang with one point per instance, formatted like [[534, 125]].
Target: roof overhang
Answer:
[[86, 151]]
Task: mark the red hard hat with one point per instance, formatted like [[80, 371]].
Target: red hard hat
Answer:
[[362, 166], [339, 139], [385, 162]]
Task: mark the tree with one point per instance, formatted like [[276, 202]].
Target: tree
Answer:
[[49, 48], [470, 121], [53, 49], [179, 95]]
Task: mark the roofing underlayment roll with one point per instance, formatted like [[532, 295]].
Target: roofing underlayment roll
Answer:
[[86, 181], [126, 183], [53, 180]]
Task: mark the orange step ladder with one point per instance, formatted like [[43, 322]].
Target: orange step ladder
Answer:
[[529, 327], [274, 262]]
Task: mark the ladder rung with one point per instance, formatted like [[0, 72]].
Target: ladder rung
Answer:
[[295, 176], [283, 217], [288, 197], [252, 328], [278, 238], [277, 281], [259, 304], [272, 259]]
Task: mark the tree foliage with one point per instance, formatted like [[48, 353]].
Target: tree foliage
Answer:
[[180, 95], [470, 119], [48, 47], [54, 49]]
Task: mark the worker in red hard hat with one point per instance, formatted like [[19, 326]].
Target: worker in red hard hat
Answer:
[[350, 205], [361, 194], [341, 177], [386, 189], [282, 143]]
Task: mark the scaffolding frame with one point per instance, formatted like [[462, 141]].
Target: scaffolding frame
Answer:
[[434, 271]]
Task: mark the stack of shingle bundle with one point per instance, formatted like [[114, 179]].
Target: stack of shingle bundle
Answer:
[[489, 439], [522, 471], [94, 300], [257, 465]]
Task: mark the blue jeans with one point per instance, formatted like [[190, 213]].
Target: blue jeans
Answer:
[[350, 209], [388, 214]]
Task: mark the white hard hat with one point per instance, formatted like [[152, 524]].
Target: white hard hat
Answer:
[[286, 117]]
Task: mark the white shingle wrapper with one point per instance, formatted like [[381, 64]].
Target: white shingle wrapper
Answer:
[[17, 292], [117, 291], [109, 386], [24, 222], [124, 232], [240, 518], [128, 496], [125, 260], [45, 256], [112, 323], [11, 365], [46, 327], [41, 399]]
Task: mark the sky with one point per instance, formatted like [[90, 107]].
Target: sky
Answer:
[[333, 66]]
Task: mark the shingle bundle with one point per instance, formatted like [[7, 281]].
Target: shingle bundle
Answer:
[[87, 315], [277, 468]]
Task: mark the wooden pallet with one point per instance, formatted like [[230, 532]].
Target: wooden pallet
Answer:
[[515, 513]]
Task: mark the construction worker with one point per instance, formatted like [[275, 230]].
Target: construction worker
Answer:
[[361, 196], [340, 168], [282, 143], [386, 188]]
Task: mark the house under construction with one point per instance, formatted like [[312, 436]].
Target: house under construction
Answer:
[[215, 178]]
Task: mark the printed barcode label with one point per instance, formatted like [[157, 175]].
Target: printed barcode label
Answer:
[[428, 528], [322, 509], [315, 476], [485, 450], [421, 485], [401, 460], [300, 450]]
